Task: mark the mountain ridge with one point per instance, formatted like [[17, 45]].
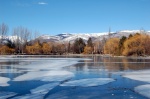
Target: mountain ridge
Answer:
[[71, 37]]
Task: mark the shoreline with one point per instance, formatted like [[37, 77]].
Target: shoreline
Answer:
[[102, 55]]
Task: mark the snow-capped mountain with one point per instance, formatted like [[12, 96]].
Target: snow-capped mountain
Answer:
[[71, 37], [126, 33], [84, 36]]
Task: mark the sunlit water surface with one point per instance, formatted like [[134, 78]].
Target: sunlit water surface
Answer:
[[49, 77]]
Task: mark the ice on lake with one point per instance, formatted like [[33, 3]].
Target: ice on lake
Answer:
[[62, 77], [4, 81], [48, 65], [143, 90], [143, 75], [10, 71], [39, 92], [30, 96], [55, 78], [44, 89], [88, 82], [58, 75], [50, 69], [5, 95]]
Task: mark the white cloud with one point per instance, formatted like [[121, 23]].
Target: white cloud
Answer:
[[42, 3]]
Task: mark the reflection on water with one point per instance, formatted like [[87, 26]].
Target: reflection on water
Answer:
[[113, 64], [83, 67]]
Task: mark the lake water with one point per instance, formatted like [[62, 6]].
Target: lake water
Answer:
[[70, 77]]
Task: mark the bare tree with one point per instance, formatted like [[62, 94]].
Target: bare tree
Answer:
[[23, 35], [3, 30]]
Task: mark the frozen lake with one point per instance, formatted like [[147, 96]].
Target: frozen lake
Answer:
[[74, 77]]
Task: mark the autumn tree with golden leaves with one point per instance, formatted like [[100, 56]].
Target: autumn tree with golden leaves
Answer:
[[112, 46], [46, 48], [4, 50], [34, 49], [137, 45]]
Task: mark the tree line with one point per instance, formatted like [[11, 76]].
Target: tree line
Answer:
[[134, 45], [21, 37], [27, 43]]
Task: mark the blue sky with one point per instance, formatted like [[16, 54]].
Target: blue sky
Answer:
[[75, 16]]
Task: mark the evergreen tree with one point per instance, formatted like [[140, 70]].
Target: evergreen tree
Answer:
[[130, 36], [79, 45], [121, 42], [89, 42]]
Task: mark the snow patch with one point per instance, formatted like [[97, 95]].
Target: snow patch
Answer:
[[88, 82], [3, 81], [130, 31], [143, 90]]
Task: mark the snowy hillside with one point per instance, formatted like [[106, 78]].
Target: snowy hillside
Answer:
[[71, 37], [84, 36]]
